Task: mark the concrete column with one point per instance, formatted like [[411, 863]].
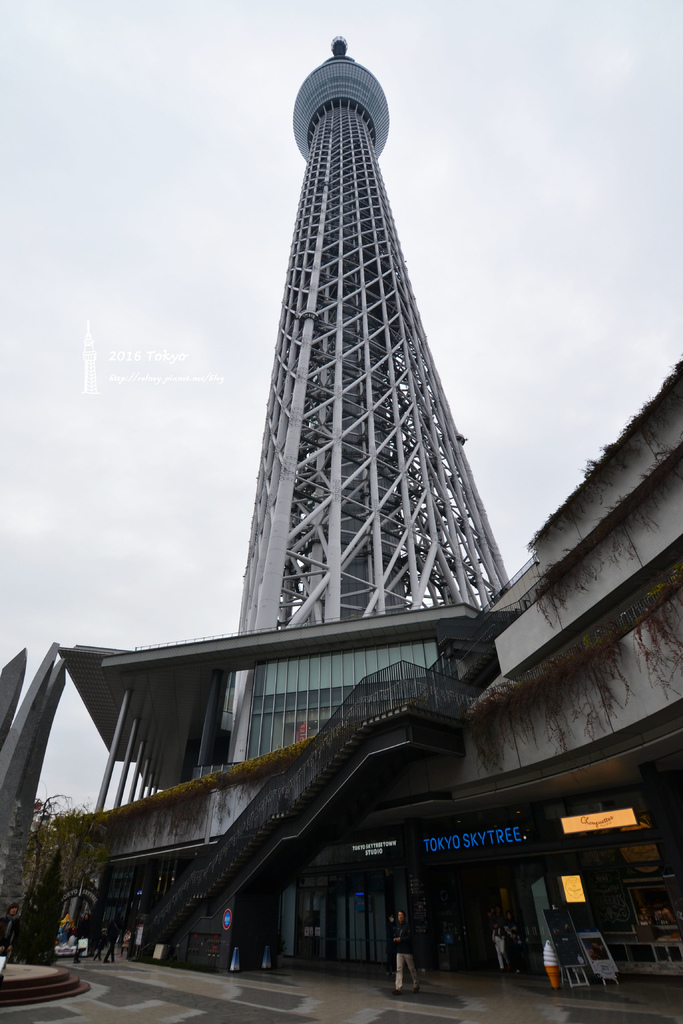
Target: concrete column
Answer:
[[112, 753], [211, 714], [126, 761], [148, 883], [136, 773], [422, 941]]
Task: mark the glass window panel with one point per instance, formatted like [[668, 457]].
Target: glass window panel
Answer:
[[324, 671], [371, 660], [254, 735], [336, 696], [279, 701], [259, 680], [229, 692], [266, 725], [350, 677], [324, 698], [394, 655], [277, 731], [431, 652], [292, 675], [290, 702], [288, 732], [271, 671], [313, 697], [268, 703], [407, 653], [324, 716], [281, 681], [257, 706], [311, 671], [347, 691], [359, 670], [336, 670], [382, 657], [418, 654], [312, 723]]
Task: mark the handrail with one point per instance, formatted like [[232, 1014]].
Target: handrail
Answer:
[[400, 685]]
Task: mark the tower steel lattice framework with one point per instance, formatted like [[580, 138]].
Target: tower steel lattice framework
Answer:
[[365, 500]]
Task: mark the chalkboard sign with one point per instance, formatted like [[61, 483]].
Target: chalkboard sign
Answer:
[[570, 952], [610, 901]]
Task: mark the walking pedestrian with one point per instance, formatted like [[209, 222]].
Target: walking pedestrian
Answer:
[[100, 944], [403, 943], [113, 932], [498, 923], [514, 942]]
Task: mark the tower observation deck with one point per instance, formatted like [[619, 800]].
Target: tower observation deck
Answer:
[[365, 501]]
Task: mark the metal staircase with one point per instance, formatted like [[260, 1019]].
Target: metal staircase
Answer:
[[396, 714]]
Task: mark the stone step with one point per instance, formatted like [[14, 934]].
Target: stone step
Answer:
[[23, 984]]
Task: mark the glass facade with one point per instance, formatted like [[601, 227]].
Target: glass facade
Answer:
[[293, 698]]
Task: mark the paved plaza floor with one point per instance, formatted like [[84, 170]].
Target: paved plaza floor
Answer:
[[127, 993]]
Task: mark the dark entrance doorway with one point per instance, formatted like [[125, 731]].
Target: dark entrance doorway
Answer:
[[462, 899], [484, 887], [343, 916]]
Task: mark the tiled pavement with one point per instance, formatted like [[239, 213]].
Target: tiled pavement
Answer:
[[125, 993]]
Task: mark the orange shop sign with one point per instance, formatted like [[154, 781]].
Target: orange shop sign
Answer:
[[603, 819]]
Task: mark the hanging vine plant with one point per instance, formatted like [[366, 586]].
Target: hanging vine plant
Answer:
[[574, 686], [571, 572], [657, 641], [577, 685], [653, 410], [183, 804]]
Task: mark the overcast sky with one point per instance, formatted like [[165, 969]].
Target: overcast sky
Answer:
[[150, 183]]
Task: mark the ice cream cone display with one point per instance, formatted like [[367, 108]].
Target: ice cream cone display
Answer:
[[551, 965]]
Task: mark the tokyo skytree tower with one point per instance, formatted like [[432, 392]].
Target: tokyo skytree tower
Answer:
[[365, 501]]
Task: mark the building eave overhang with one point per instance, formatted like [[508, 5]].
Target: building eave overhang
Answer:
[[244, 650], [171, 683]]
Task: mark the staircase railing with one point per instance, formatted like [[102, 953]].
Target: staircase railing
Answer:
[[389, 689]]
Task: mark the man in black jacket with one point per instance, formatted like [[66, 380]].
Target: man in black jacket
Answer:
[[403, 943], [113, 932]]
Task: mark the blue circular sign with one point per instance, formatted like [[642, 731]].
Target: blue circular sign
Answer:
[[227, 919]]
